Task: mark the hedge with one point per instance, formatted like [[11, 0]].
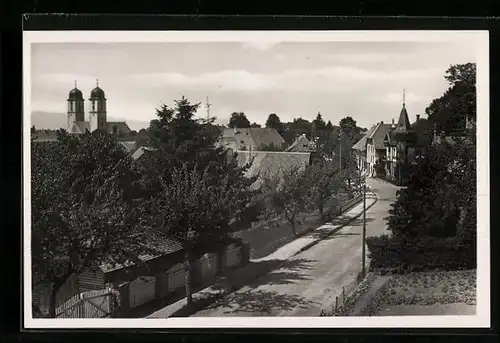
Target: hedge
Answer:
[[402, 254]]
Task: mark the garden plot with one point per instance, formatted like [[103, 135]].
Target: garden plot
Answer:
[[429, 293]]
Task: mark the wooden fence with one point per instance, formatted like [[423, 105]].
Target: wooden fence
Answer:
[[340, 300], [347, 204], [91, 304]]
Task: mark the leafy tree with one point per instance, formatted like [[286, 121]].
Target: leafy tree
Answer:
[[274, 122], [195, 210], [348, 128], [427, 206], [289, 197], [239, 120], [83, 207], [450, 111], [319, 123], [329, 126], [325, 182], [255, 125], [349, 135]]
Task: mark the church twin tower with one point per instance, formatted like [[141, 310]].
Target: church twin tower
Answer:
[[76, 111]]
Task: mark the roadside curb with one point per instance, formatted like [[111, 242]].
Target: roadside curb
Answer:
[[313, 243], [208, 299]]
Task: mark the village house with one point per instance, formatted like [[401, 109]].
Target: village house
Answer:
[[159, 278], [250, 138], [370, 148], [272, 163]]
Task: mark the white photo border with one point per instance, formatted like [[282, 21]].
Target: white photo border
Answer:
[[478, 40]]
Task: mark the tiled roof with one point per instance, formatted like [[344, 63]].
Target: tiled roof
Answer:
[[301, 144], [79, 127], [161, 247], [423, 128], [271, 163], [121, 126], [130, 146], [377, 136], [250, 138], [139, 152], [361, 144]]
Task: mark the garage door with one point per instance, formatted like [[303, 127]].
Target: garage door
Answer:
[[176, 277], [208, 266], [142, 290], [233, 255]]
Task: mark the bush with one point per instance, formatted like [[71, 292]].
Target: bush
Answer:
[[402, 254]]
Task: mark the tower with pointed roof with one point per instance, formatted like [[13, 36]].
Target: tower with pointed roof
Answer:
[[404, 136], [97, 111], [76, 112]]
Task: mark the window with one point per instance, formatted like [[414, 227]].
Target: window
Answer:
[[93, 105]]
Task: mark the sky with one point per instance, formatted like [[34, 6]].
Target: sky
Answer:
[[364, 80]]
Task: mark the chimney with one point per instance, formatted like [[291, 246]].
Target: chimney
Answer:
[[418, 117], [382, 122], [393, 122]]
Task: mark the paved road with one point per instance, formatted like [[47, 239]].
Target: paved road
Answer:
[[312, 279]]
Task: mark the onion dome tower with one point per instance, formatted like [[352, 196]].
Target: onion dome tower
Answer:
[[97, 112], [76, 103]]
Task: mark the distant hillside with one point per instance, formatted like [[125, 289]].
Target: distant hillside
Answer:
[[54, 120]]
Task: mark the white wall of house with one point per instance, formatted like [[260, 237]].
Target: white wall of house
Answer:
[[371, 158]]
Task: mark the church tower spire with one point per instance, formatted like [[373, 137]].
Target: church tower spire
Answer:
[[97, 112], [76, 111]]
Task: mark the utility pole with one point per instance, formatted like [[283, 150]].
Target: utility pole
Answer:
[[340, 151], [364, 231], [208, 105]]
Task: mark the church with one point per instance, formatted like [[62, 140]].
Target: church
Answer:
[[96, 115]]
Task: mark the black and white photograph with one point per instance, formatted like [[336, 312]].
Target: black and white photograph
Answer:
[[256, 179]]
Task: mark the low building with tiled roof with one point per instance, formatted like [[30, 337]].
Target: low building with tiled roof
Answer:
[[375, 148], [271, 163], [359, 149], [301, 144], [250, 138]]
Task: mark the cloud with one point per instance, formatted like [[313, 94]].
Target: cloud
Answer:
[[321, 79]]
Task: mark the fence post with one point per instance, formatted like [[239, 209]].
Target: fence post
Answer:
[[343, 294], [336, 303]]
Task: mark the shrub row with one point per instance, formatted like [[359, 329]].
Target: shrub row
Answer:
[[400, 254]]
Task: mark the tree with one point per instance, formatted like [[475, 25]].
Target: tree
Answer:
[[348, 128], [450, 112], [325, 182], [195, 210], [329, 126], [84, 211], [274, 122], [255, 125], [349, 134], [289, 197], [428, 205], [319, 123], [239, 120]]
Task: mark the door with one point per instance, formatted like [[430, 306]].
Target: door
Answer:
[[233, 255], [142, 290], [208, 266], [176, 277]]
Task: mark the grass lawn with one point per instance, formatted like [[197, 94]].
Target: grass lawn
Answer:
[[429, 293], [266, 237]]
